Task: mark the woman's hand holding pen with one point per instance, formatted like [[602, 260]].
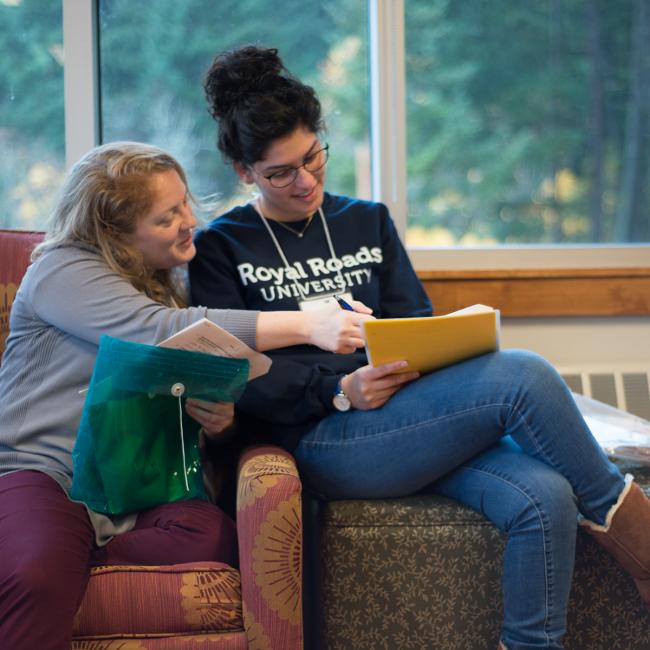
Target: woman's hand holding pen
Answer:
[[369, 388], [338, 330]]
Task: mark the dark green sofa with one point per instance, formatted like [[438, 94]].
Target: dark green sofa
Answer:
[[423, 573]]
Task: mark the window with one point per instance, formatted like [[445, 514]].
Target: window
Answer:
[[154, 93], [32, 133], [527, 122], [523, 123]]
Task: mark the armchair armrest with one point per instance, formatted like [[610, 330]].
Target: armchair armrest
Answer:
[[269, 530]]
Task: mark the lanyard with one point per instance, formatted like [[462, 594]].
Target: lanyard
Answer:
[[283, 257]]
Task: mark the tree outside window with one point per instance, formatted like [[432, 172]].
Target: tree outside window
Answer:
[[527, 122]]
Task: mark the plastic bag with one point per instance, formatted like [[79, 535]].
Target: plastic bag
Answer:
[[136, 448], [621, 434]]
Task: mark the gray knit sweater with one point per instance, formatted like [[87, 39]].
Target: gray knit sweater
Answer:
[[68, 298]]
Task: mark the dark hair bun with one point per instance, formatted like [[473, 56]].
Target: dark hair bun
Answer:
[[238, 73], [255, 100]]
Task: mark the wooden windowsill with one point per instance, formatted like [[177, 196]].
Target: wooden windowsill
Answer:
[[543, 292]]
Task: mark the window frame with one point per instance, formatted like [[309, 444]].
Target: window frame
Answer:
[[388, 137], [80, 77]]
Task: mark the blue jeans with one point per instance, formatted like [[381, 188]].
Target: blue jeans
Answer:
[[500, 433]]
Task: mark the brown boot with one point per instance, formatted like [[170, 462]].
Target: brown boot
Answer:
[[626, 535]]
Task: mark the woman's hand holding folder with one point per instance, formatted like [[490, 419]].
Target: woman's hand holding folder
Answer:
[[371, 387]]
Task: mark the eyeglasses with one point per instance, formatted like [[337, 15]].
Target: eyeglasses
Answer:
[[312, 163]]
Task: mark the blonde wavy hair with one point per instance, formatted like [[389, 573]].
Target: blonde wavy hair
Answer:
[[104, 195]]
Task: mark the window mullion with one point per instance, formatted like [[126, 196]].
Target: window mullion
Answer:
[[80, 78], [388, 107]]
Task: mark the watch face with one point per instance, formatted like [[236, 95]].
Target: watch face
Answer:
[[341, 402]]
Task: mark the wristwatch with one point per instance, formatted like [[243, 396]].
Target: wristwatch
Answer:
[[341, 400]]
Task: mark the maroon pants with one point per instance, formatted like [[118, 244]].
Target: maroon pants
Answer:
[[47, 546]]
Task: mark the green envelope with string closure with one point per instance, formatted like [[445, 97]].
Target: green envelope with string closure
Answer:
[[136, 448]]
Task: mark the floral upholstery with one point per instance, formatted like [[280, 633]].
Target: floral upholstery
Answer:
[[15, 249], [424, 572], [199, 597], [270, 547], [198, 606]]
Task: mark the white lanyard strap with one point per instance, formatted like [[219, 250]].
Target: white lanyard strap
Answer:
[[283, 257], [285, 261], [327, 236], [331, 246]]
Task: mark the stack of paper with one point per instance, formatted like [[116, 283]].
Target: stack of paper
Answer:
[[205, 336]]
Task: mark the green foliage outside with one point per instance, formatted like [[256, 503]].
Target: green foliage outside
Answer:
[[155, 93], [31, 110], [527, 122]]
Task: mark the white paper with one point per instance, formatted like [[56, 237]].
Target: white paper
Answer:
[[204, 336], [472, 309], [313, 304], [619, 433]]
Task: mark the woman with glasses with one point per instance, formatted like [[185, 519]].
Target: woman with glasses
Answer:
[[499, 432]]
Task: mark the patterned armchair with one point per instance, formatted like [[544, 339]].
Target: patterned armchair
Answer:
[[257, 606]]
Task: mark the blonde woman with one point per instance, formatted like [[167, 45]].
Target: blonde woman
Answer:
[[122, 225]]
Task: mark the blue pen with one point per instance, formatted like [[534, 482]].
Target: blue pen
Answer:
[[343, 303]]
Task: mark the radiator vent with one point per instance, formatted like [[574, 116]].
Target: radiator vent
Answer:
[[626, 388]]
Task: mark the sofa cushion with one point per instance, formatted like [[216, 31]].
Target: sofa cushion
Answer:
[[425, 571], [126, 600], [415, 572]]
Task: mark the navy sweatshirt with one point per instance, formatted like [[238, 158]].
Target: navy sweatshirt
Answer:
[[238, 266]]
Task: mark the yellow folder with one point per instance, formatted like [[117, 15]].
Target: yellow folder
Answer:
[[433, 342]]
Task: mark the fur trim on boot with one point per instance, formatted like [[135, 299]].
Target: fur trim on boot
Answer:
[[626, 535]]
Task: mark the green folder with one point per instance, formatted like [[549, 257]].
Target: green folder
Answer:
[[136, 448]]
